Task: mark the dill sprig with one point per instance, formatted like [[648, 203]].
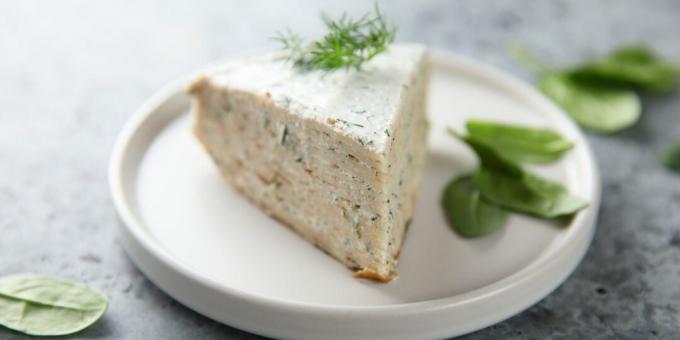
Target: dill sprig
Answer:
[[348, 44]]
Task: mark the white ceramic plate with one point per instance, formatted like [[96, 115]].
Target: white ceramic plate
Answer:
[[209, 248]]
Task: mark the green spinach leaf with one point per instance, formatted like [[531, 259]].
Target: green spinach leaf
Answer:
[[467, 212], [503, 182], [529, 194], [42, 305], [599, 108], [488, 157], [519, 143], [670, 157], [630, 66]]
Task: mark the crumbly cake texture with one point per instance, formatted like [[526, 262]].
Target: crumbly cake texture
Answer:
[[337, 156]]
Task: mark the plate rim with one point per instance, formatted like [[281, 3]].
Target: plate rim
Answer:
[[135, 236]]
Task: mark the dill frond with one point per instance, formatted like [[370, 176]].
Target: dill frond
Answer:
[[348, 44]]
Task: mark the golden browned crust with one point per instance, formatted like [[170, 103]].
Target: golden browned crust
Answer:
[[371, 274], [198, 85]]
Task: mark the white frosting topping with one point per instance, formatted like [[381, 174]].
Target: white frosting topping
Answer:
[[361, 104]]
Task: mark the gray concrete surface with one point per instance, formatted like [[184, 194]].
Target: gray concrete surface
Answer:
[[72, 72]]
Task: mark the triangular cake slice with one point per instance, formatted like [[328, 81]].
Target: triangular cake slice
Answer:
[[337, 155]]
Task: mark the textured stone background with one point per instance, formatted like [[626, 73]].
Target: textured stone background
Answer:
[[72, 72]]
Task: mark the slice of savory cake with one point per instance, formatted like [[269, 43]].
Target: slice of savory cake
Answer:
[[337, 156]]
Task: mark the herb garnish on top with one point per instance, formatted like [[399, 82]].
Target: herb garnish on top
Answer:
[[348, 44]]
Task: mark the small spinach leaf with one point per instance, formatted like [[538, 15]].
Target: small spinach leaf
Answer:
[[42, 305], [467, 212], [488, 157], [519, 143], [599, 108], [630, 66], [670, 157], [529, 194]]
